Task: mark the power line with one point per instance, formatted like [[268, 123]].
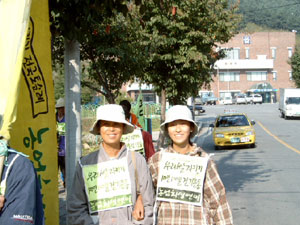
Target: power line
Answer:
[[275, 7]]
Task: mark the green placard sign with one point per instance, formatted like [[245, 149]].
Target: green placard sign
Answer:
[[134, 141], [61, 128], [181, 178], [107, 185]]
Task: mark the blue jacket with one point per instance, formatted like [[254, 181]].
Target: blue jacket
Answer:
[[23, 199]]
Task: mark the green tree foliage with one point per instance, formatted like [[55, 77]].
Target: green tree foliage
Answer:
[[59, 78], [73, 18], [114, 55], [108, 39], [180, 37], [295, 64]]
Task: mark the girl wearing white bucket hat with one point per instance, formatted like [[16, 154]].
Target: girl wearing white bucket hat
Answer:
[[106, 183], [189, 189]]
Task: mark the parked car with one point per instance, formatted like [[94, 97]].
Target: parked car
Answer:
[[209, 98], [198, 109], [231, 129], [240, 99], [254, 98], [227, 100]]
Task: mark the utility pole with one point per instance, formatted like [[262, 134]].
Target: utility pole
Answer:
[[72, 110]]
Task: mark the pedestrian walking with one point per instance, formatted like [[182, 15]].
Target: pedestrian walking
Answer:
[[189, 188], [61, 137], [108, 182]]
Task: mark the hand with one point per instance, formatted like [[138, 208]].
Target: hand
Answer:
[[138, 212], [2, 200]]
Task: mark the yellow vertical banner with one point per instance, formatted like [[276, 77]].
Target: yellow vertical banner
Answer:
[[14, 17], [34, 131]]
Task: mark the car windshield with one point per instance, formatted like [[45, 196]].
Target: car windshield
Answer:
[[232, 121], [293, 100]]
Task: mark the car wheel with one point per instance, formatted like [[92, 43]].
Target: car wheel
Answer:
[[281, 115], [252, 145], [217, 147]]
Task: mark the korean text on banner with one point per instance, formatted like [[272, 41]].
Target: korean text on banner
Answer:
[[107, 185], [34, 131], [181, 178], [134, 141]]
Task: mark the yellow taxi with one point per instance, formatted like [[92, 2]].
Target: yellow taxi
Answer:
[[231, 129]]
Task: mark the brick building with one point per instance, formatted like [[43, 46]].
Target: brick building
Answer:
[[255, 63]]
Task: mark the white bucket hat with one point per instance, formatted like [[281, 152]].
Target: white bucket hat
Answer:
[[114, 113], [60, 103], [178, 112]]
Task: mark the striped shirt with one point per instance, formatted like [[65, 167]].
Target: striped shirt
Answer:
[[215, 208]]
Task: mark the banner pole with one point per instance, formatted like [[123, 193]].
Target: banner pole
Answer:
[[2, 158]]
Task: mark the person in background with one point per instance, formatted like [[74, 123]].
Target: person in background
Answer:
[[147, 137], [20, 196], [61, 138], [133, 118], [91, 203], [180, 127]]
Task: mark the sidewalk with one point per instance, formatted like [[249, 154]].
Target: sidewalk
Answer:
[[62, 194]]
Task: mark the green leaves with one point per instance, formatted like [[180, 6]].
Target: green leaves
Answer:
[[295, 63], [109, 41], [168, 43], [181, 45]]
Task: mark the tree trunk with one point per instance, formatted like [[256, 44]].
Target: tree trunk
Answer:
[[194, 108], [110, 98], [161, 138], [72, 108]]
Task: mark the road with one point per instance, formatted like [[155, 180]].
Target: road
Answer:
[[262, 184]]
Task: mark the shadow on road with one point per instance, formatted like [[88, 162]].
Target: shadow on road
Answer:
[[237, 166]]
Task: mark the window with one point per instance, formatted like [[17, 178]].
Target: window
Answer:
[[290, 52], [247, 53], [273, 52], [274, 75], [232, 121], [148, 97], [229, 76], [247, 39], [290, 75], [232, 53], [256, 76]]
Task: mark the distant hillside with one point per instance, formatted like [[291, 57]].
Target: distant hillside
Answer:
[[270, 15], [275, 14]]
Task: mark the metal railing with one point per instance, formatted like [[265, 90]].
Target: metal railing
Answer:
[[150, 110]]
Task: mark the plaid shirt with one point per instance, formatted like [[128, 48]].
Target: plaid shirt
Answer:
[[215, 208]]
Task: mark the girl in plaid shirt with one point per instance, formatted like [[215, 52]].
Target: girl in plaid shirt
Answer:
[[180, 127]]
